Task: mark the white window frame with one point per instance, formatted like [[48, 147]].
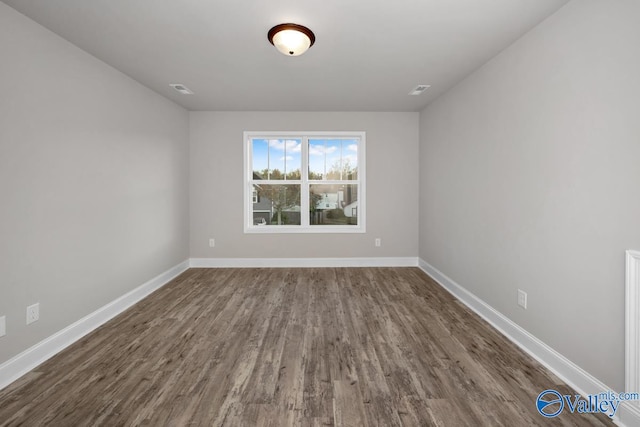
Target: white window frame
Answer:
[[304, 227]]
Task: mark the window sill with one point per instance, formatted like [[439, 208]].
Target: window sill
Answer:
[[297, 229]]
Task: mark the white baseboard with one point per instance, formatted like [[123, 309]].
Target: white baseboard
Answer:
[[580, 380], [19, 365], [628, 416], [303, 262]]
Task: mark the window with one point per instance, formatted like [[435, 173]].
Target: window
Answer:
[[310, 182]]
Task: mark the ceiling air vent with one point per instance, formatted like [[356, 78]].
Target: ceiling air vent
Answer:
[[181, 88], [419, 89]]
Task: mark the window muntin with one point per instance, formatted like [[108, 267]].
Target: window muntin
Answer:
[[308, 182]]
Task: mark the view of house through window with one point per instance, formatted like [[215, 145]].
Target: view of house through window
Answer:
[[304, 183]]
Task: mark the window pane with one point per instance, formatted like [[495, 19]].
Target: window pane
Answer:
[[333, 154], [276, 159], [333, 204], [333, 159], [260, 158], [317, 158], [284, 158], [276, 204], [293, 158], [349, 159]]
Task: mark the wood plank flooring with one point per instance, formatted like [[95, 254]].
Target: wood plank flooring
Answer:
[[290, 347]]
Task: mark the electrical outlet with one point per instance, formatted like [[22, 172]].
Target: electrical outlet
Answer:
[[33, 313], [3, 326], [522, 299], [212, 243], [378, 242]]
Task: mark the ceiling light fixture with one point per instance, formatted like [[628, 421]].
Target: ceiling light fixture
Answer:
[[291, 39]]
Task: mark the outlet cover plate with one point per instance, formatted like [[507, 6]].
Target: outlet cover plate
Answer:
[[3, 326], [33, 313], [522, 299]]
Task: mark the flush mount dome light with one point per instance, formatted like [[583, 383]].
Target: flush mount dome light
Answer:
[[291, 39]]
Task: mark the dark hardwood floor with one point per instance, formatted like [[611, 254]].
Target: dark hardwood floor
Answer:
[[289, 347]]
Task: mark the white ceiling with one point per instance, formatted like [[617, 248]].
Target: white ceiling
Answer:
[[368, 54]]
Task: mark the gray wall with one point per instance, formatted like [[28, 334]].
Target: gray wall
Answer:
[[217, 186], [530, 179], [93, 182]]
